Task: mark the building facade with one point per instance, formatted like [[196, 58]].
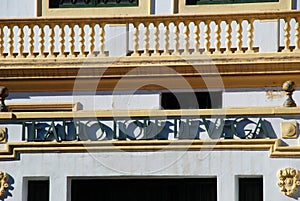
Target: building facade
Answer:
[[149, 100]]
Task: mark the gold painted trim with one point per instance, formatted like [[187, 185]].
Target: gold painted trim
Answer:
[[14, 107], [238, 111], [3, 183], [243, 7], [14, 148], [144, 8], [222, 71], [3, 135], [6, 115]]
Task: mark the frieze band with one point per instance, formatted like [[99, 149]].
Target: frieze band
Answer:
[[144, 129]]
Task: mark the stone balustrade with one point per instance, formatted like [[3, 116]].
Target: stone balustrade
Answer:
[[231, 33]]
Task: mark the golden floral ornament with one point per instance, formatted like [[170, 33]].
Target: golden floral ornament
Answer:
[[288, 180], [3, 183]]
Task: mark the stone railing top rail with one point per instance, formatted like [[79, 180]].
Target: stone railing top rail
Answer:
[[174, 17]]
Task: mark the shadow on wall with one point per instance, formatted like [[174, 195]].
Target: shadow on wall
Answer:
[[295, 196], [8, 190], [242, 128]]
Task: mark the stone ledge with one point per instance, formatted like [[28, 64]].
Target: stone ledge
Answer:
[[223, 71]]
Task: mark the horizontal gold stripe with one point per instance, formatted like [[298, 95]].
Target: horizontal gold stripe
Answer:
[[272, 145], [238, 111]]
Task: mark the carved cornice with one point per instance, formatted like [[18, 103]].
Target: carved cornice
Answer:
[[288, 180], [3, 183], [229, 71]]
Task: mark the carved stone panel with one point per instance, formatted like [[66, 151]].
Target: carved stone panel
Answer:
[[289, 129]]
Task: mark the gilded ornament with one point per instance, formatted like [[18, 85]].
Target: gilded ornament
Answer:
[[288, 180], [3, 183], [2, 134]]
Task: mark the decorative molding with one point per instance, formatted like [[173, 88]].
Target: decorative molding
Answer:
[[3, 134], [143, 8], [288, 180], [13, 149], [38, 107], [78, 113], [266, 70], [289, 87], [238, 111], [3, 183], [236, 7], [289, 130]]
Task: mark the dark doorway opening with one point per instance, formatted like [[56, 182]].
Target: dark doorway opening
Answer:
[[204, 189]]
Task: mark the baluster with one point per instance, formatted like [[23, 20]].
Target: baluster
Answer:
[[10, 41], [166, 38], [41, 46], [197, 38], [91, 40], [30, 41], [176, 32], [287, 29], [297, 35], [2, 36], [61, 34], [71, 40], [239, 36], [228, 36], [186, 36], [156, 38], [207, 37], [250, 35], [217, 37], [102, 39], [146, 39], [136, 39], [21, 42], [51, 41], [81, 40]]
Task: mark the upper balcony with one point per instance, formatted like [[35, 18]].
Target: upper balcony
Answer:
[[251, 49]]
